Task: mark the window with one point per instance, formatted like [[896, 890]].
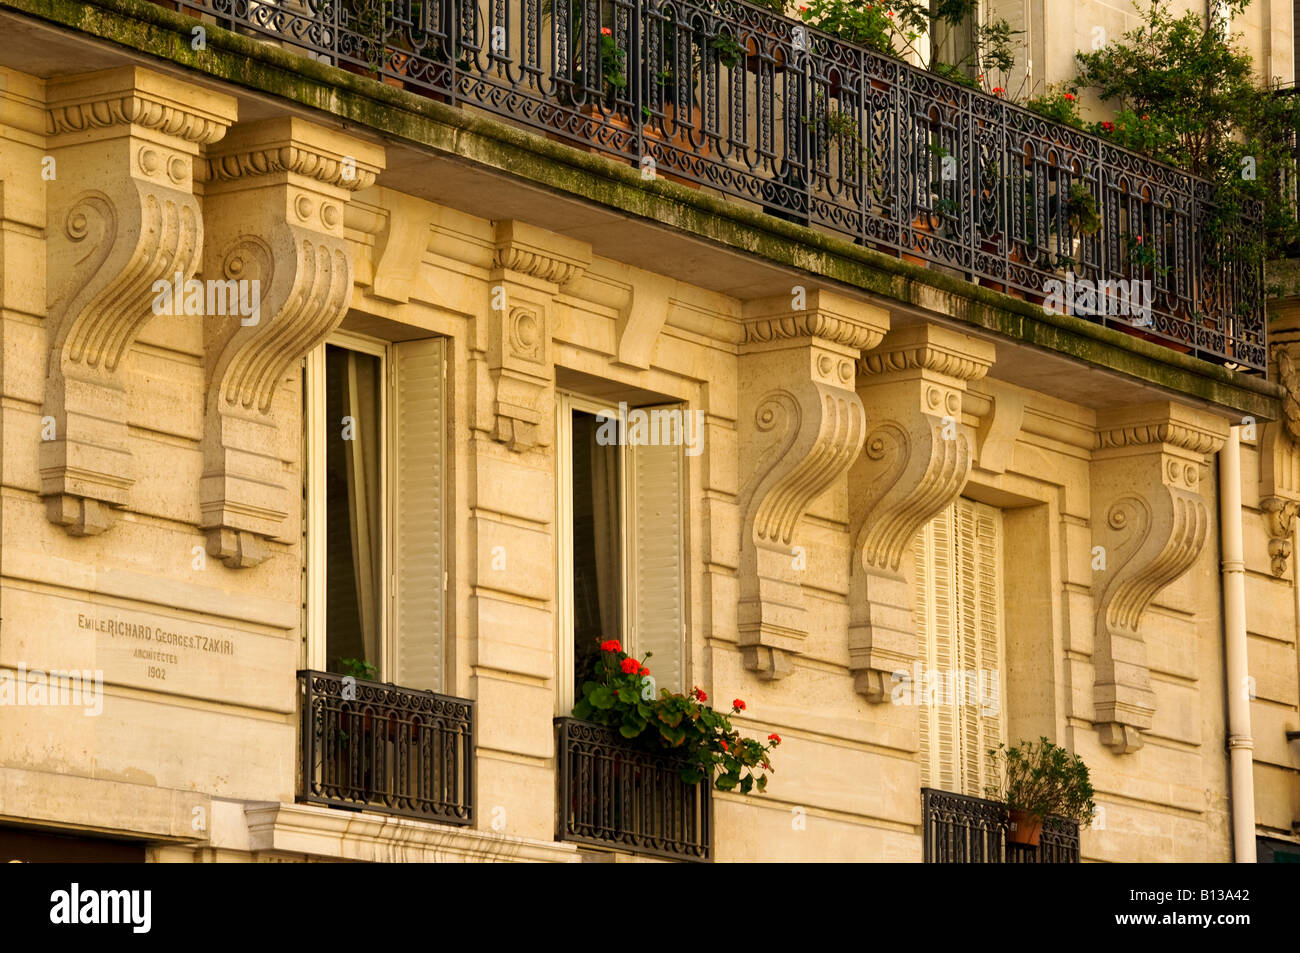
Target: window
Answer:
[[620, 554], [374, 472], [958, 586], [954, 44]]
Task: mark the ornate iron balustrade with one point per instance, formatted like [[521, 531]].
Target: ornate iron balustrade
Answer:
[[818, 131], [614, 795], [959, 829], [378, 747]]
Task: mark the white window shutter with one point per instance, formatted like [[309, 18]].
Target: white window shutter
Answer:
[[979, 587], [418, 489], [958, 619], [923, 620], [656, 508]]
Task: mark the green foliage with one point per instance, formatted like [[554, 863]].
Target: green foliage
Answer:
[[1185, 94], [619, 695], [897, 28], [358, 668], [1043, 779], [1081, 208], [1060, 105]]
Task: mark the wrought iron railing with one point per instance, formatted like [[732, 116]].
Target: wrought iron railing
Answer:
[[613, 794], [818, 131], [959, 829], [377, 747]]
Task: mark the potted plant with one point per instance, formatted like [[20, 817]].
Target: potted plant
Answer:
[[618, 695], [1037, 780]]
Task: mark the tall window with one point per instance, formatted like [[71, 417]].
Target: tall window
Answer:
[[960, 644], [620, 552], [373, 427], [953, 44]]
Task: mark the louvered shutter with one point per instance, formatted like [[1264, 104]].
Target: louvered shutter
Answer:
[[656, 510], [923, 617], [418, 488], [978, 584], [935, 606], [958, 584]]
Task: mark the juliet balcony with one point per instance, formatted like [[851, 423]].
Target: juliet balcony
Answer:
[[730, 97], [371, 746], [621, 797], [959, 829]]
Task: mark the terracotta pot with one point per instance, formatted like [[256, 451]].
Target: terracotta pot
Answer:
[[991, 249], [681, 138], [1024, 828], [1154, 339], [610, 118], [753, 62], [920, 224]]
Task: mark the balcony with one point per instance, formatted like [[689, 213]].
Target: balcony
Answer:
[[728, 96], [614, 795], [969, 830], [376, 747]]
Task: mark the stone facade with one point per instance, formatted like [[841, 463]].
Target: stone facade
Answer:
[[152, 466]]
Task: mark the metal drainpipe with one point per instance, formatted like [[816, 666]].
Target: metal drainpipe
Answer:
[[1241, 747]]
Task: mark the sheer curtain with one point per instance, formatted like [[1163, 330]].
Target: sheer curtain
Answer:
[[605, 525], [362, 455]]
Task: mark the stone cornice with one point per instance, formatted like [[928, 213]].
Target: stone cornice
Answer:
[[527, 250], [1168, 424], [826, 315], [135, 97], [293, 147], [928, 348]]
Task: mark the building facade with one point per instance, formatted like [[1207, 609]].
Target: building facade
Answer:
[[311, 517]]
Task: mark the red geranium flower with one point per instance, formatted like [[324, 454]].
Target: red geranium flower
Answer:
[[644, 671], [724, 746], [774, 738], [1069, 97], [998, 90], [611, 646], [738, 705], [1108, 126], [699, 693], [630, 665], [606, 31]]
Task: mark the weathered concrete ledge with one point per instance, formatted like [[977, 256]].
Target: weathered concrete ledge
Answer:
[[148, 29]]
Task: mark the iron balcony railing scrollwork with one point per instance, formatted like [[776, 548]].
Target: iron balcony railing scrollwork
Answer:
[[821, 132], [959, 829], [377, 747], [613, 794]]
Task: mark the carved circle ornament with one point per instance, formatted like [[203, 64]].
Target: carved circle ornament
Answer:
[[525, 334]]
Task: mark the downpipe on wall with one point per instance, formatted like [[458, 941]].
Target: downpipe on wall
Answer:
[[1241, 746]]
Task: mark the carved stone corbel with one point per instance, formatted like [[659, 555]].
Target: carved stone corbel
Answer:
[[274, 205], [1279, 446], [801, 426], [529, 266], [121, 216], [1151, 521], [916, 461]]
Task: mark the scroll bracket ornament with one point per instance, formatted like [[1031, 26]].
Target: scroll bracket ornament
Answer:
[[1279, 447], [274, 202], [1151, 520], [916, 460], [121, 216], [530, 266], [801, 425]]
